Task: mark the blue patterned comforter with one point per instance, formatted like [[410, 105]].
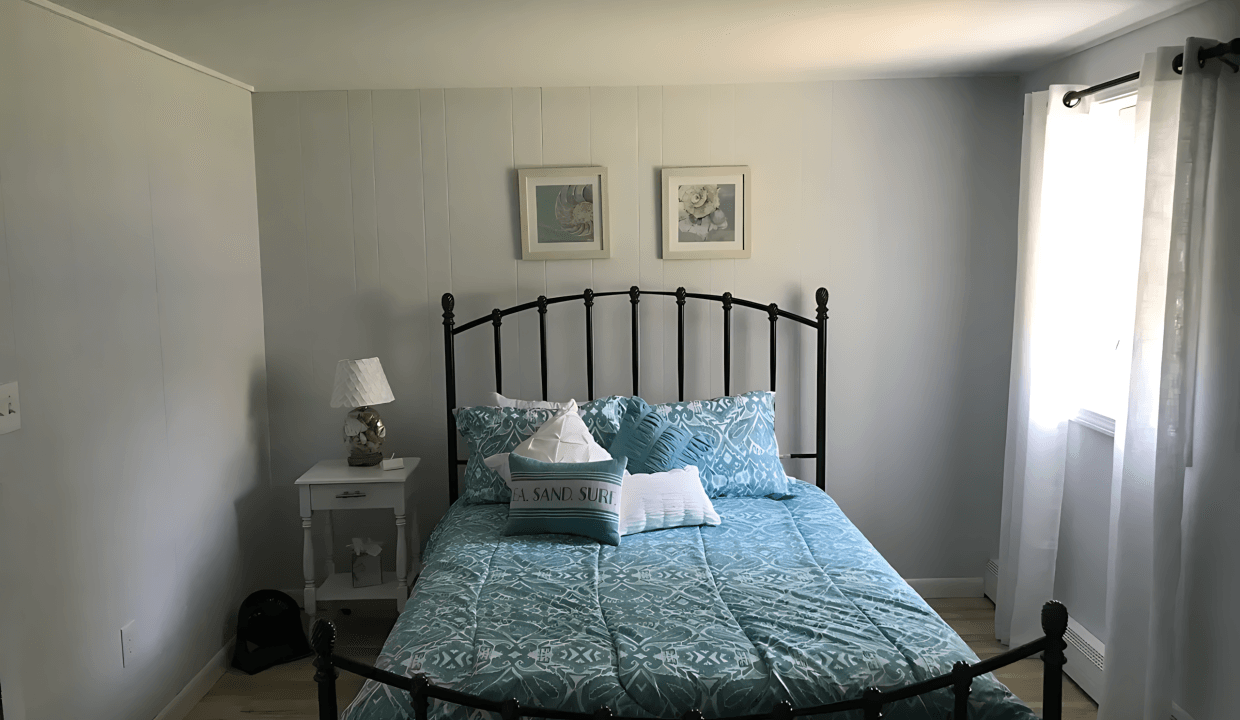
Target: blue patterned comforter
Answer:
[[786, 600]]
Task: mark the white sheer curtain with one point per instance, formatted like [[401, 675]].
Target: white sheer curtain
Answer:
[[1153, 440], [1041, 393]]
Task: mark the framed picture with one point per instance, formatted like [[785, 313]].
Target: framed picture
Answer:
[[564, 213], [706, 213]]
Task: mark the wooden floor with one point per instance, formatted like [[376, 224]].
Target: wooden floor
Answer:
[[288, 691]]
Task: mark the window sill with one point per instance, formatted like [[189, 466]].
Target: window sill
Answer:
[[1095, 421]]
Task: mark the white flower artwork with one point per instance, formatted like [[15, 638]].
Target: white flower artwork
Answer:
[[706, 213]]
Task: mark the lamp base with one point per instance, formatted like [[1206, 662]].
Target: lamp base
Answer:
[[367, 460], [363, 435]]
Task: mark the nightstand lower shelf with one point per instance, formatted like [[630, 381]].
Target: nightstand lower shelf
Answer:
[[340, 587]]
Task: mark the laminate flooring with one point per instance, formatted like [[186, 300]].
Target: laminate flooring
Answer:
[[288, 691]]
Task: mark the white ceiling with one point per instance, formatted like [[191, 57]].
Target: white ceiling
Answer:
[[347, 44]]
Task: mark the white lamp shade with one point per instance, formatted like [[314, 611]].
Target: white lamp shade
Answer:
[[361, 382]]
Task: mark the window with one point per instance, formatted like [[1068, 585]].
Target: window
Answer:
[[1108, 251]]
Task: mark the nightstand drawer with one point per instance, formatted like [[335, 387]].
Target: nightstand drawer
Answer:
[[356, 495]]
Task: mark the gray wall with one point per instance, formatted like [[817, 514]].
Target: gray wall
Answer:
[[1209, 627], [131, 314], [900, 196]]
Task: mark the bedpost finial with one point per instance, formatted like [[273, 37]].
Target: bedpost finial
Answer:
[[782, 710], [589, 297], [323, 637], [1054, 619], [510, 709], [542, 304], [772, 311], [448, 303], [634, 292], [497, 317], [727, 301], [680, 295], [821, 296]]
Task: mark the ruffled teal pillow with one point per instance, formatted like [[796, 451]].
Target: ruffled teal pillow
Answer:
[[653, 444], [490, 430], [744, 459]]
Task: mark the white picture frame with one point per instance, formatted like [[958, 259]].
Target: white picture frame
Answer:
[[707, 212], [564, 213]]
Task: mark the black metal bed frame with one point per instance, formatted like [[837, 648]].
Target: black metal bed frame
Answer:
[[871, 700]]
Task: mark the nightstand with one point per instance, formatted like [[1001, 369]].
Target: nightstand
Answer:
[[334, 485]]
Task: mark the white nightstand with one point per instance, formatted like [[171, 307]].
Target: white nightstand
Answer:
[[333, 485]]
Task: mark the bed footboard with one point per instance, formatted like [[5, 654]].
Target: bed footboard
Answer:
[[870, 702]]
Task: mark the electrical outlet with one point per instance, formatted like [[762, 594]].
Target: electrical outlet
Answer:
[[129, 642], [10, 409]]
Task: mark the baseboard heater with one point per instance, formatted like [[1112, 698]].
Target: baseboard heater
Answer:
[[1086, 655]]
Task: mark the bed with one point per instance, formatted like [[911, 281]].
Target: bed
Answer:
[[782, 610]]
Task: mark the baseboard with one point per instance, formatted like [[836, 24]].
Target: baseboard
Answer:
[[947, 587], [198, 687], [1177, 713]]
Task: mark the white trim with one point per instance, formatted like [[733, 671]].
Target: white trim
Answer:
[[930, 588], [136, 42], [1177, 713], [189, 696], [1095, 421]]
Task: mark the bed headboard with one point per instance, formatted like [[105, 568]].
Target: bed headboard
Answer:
[[496, 318]]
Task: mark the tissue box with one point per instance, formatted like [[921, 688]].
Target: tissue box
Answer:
[[367, 570]]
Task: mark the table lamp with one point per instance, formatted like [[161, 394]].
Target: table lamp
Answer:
[[359, 385]]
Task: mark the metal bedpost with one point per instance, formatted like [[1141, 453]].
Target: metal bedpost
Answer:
[[680, 343], [772, 312], [634, 298], [1054, 624], [727, 343], [588, 296], [449, 303], [497, 318], [542, 340], [820, 427], [420, 701], [962, 683], [323, 640]]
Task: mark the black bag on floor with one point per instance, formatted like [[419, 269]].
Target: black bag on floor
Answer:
[[269, 632]]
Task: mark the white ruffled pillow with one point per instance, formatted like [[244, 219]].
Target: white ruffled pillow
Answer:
[[498, 400], [664, 500], [562, 439]]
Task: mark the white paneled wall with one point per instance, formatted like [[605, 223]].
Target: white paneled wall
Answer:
[[132, 316], [899, 196]]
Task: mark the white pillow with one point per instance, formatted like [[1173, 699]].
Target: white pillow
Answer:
[[498, 400], [562, 439], [664, 500]]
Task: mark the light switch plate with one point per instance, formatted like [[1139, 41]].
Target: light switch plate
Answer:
[[10, 409]]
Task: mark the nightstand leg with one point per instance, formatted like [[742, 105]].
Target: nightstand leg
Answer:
[[307, 566], [402, 564], [331, 546]]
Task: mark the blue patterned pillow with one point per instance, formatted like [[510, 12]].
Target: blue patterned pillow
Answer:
[[574, 498], [745, 459], [653, 444], [490, 430]]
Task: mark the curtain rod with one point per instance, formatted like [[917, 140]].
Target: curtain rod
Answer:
[[1073, 98]]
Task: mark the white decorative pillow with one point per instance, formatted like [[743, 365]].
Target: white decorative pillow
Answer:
[[664, 500], [498, 400], [562, 439]]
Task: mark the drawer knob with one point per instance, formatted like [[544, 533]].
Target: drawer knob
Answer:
[[351, 494]]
